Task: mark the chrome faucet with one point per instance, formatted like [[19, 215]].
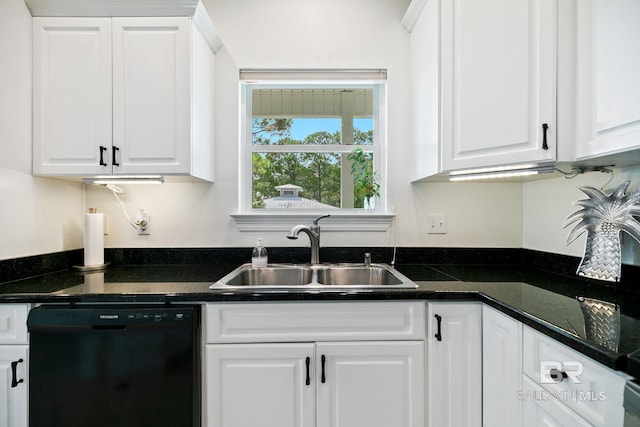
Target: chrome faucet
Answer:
[[313, 232]]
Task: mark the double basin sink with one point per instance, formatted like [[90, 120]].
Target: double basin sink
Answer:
[[322, 276]]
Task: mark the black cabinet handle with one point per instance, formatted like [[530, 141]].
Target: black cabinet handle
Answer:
[[113, 156], [308, 362], [558, 375], [102, 150], [14, 374], [545, 128], [439, 333], [323, 378]]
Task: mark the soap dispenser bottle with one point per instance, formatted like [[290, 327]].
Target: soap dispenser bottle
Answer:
[[259, 255]]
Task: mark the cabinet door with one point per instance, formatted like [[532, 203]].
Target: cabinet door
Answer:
[[501, 369], [590, 389], [260, 385], [373, 384], [540, 409], [608, 88], [151, 95], [498, 82], [13, 392], [454, 364], [71, 95]]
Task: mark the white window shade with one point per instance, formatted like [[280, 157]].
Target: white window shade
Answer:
[[374, 75]]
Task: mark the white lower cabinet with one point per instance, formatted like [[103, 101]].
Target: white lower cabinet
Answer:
[[298, 380], [352, 364], [454, 364], [13, 365], [377, 383], [13, 394], [572, 380], [501, 369], [539, 410], [260, 385]]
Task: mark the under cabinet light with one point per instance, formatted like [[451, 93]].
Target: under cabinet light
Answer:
[[499, 172], [124, 179]]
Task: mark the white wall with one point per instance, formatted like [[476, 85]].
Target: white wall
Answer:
[[44, 215], [547, 204], [311, 34], [37, 215]]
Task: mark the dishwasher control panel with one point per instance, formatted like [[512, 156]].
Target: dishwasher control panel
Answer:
[[116, 316]]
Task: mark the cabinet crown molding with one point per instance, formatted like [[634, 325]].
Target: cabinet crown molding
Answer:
[[412, 14], [95, 8], [122, 8]]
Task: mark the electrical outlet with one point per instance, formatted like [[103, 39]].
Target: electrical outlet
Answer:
[[146, 230], [437, 224]]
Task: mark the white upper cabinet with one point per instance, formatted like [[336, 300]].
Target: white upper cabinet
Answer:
[[120, 96], [151, 95], [71, 95], [493, 67], [498, 82], [608, 87]]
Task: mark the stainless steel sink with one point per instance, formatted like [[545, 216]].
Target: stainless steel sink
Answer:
[[272, 275], [323, 276], [346, 275]]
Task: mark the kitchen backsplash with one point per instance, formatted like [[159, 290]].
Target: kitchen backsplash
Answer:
[[444, 259]]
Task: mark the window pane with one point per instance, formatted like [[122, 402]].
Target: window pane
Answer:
[[302, 128], [296, 180], [274, 131], [266, 131], [281, 116], [305, 181], [363, 131], [364, 178], [313, 117]]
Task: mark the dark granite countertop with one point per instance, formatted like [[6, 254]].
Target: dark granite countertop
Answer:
[[547, 302]]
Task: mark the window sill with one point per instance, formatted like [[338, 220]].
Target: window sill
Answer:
[[339, 221]]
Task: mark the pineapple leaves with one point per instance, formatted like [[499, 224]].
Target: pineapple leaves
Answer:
[[603, 217], [615, 210]]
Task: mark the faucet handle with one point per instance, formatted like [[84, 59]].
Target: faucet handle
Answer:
[[315, 221]]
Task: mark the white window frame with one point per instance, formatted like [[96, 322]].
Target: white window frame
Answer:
[[249, 219]]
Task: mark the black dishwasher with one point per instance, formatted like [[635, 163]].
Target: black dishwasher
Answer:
[[114, 365]]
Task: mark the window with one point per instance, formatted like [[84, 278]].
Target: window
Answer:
[[299, 133]]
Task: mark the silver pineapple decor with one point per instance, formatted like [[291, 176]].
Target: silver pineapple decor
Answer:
[[603, 217], [601, 322]]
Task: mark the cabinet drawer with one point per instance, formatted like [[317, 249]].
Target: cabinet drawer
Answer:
[[291, 322], [13, 323], [590, 389], [540, 409]]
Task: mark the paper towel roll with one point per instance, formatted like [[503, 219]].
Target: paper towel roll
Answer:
[[94, 282], [93, 239]]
